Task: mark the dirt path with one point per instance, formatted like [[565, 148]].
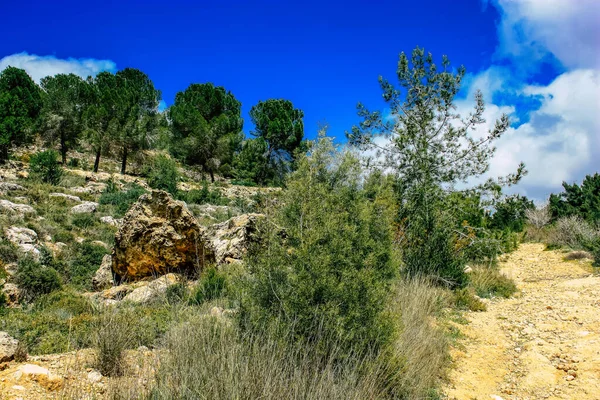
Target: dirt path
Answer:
[[542, 344]]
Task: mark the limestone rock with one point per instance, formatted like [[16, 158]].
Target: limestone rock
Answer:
[[159, 235], [153, 290], [85, 207], [103, 278], [25, 239], [90, 188], [230, 239], [110, 220], [12, 293], [9, 206], [8, 347], [40, 375], [8, 187], [66, 196]]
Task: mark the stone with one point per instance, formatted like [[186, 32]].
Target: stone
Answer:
[[8, 347], [12, 293], [87, 207], [66, 196], [40, 375], [25, 239], [110, 220], [103, 278], [94, 376], [468, 269], [159, 235], [90, 188], [230, 239], [153, 290], [9, 206], [9, 187], [216, 311]]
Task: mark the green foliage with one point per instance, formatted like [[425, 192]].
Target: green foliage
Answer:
[[252, 164], [212, 285], [207, 126], [582, 201], [43, 165], [122, 200], [281, 129], [163, 174], [8, 252], [35, 279], [63, 105], [84, 220], [203, 196], [177, 293], [489, 282], [83, 263], [510, 214], [430, 150], [327, 264], [464, 299], [20, 103]]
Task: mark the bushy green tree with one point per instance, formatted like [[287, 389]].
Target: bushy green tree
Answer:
[[330, 269], [583, 201], [20, 104], [251, 163], [280, 125], [510, 213], [44, 166], [163, 174], [430, 149], [207, 126], [63, 106]]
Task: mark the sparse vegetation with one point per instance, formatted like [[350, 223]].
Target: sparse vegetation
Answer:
[[44, 166]]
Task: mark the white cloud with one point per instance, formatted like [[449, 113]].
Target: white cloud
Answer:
[[40, 66], [530, 30]]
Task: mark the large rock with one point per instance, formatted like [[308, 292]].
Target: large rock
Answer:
[[8, 347], [12, 293], [25, 239], [152, 291], [103, 278], [110, 220], [230, 239], [9, 206], [159, 235], [66, 196], [87, 207]]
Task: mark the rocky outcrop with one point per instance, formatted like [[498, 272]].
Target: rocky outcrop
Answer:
[[9, 187], [103, 278], [12, 293], [25, 239], [87, 207], [230, 239], [159, 235], [9, 206], [8, 347]]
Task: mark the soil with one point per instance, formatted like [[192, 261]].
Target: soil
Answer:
[[542, 344]]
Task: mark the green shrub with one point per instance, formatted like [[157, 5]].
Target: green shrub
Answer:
[[43, 166], [84, 220], [332, 269], [35, 279], [212, 285], [489, 282], [64, 302], [465, 299], [203, 196], [177, 293], [163, 174], [83, 263], [3, 299], [8, 252], [112, 336], [122, 200], [73, 162]]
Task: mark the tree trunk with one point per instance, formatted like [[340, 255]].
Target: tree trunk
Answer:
[[212, 176], [124, 162], [97, 162], [63, 149]]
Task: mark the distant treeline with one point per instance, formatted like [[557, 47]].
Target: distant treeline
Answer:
[[118, 114]]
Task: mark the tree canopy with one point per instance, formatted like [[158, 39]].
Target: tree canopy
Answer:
[[20, 104], [207, 126]]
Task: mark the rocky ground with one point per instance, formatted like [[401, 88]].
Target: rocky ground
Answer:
[[542, 344]]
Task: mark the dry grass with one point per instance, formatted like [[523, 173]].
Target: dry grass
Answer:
[[489, 282], [113, 335], [572, 232], [579, 255]]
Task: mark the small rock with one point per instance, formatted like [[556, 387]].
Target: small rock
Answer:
[[9, 206], [103, 278], [110, 220], [94, 376], [216, 311], [40, 375], [87, 207], [66, 196], [570, 377], [143, 349], [12, 293], [468, 269], [7, 187], [496, 397], [26, 239], [8, 347], [153, 290]]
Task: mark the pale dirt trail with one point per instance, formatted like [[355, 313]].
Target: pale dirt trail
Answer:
[[520, 348]]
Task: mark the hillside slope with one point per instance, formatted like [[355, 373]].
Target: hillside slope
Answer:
[[542, 344]]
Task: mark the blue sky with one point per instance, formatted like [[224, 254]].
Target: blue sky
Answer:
[[326, 56]]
